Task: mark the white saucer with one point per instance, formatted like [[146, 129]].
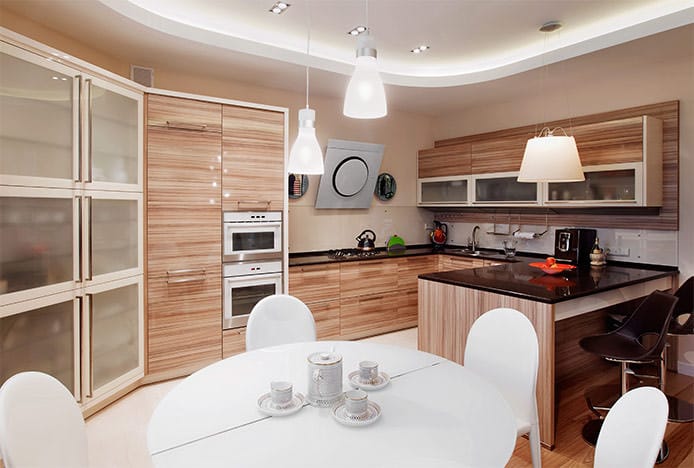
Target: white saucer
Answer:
[[373, 412], [382, 380], [266, 406]]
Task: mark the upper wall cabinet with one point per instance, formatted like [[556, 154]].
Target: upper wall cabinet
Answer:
[[66, 129], [622, 162], [445, 161], [253, 159]]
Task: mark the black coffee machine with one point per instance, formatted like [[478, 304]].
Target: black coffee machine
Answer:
[[574, 245]]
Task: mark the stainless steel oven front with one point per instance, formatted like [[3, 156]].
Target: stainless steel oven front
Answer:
[[246, 283], [252, 235]]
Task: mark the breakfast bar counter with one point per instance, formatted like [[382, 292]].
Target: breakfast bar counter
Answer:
[[562, 308]]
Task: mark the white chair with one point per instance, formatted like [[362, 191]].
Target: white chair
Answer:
[[41, 425], [633, 430], [279, 319], [502, 348]]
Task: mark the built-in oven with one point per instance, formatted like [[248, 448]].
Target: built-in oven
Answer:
[[252, 235], [246, 283]]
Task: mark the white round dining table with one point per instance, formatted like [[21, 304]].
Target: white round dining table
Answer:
[[434, 413]]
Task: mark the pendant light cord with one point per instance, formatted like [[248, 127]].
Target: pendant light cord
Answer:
[[308, 45]]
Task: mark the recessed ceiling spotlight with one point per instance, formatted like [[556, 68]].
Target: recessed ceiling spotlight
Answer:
[[357, 30], [420, 49], [279, 8], [550, 26]]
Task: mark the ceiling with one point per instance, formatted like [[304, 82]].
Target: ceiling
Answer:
[[474, 44]]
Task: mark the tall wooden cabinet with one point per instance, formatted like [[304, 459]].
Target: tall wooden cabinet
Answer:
[[71, 261], [184, 293], [254, 177]]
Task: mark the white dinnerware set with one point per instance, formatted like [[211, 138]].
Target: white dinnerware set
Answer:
[[351, 408]]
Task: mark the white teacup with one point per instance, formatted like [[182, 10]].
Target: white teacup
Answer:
[[281, 394], [368, 372], [356, 403]]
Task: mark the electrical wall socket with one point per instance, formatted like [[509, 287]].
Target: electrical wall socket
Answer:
[[619, 252]]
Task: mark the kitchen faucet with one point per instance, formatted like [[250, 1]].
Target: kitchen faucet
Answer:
[[474, 238]]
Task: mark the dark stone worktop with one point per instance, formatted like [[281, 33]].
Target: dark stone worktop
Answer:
[[314, 258], [521, 280]]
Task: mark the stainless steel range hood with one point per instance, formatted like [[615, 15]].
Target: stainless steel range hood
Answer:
[[351, 170]]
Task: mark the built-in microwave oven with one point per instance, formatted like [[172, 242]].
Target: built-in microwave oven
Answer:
[[246, 283], [252, 235]]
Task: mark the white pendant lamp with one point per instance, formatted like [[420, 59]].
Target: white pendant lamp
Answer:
[[366, 96], [306, 156], [551, 158]]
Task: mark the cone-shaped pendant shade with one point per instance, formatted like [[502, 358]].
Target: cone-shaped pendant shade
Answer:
[[366, 96], [306, 156], [551, 159]]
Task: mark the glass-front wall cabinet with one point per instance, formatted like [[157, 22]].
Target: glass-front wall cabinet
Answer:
[[615, 185], [442, 191], [504, 188]]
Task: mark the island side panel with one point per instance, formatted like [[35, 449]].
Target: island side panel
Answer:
[[446, 314]]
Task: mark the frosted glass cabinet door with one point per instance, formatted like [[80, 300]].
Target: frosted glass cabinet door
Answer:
[[115, 129], [115, 234], [38, 113], [116, 333], [36, 241], [443, 191], [41, 339], [505, 189]]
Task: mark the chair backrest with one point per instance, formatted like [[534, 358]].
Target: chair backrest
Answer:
[[683, 316], [633, 430], [40, 423], [502, 347], [651, 318], [279, 319]]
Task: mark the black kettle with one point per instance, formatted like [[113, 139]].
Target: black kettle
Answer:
[[366, 242]]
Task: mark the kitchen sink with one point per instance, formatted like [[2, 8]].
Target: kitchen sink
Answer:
[[473, 253]]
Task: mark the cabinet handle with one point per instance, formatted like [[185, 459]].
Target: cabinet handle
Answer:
[[88, 85], [76, 87], [90, 312], [79, 381], [254, 203], [90, 240], [80, 241], [186, 126], [201, 276]]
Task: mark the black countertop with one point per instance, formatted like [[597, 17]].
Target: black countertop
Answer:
[[521, 280], [314, 258]]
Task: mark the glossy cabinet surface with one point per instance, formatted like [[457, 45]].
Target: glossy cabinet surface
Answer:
[[254, 177], [184, 226], [616, 186], [502, 189]]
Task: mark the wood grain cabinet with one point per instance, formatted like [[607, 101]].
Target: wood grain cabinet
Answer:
[[184, 292], [318, 286], [254, 177], [233, 342], [451, 262], [369, 314]]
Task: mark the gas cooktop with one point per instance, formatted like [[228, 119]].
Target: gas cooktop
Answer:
[[345, 254]]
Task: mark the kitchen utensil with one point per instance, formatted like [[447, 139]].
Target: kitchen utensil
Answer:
[[395, 243], [366, 242], [439, 234]]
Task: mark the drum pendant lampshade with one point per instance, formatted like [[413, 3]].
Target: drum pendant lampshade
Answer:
[[365, 97], [306, 156], [550, 158]]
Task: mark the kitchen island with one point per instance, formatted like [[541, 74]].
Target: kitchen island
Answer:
[[562, 308]]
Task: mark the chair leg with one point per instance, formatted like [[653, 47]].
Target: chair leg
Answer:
[[535, 450]]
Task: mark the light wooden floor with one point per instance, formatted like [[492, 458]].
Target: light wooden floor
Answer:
[[117, 434]]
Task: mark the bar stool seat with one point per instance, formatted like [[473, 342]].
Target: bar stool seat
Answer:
[[640, 339]]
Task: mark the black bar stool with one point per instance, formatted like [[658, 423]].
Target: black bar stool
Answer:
[[639, 340]]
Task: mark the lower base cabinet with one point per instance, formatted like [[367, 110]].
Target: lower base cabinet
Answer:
[[233, 342], [327, 317]]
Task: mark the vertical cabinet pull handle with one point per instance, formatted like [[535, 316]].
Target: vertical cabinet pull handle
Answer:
[[89, 119], [90, 238], [90, 314], [80, 240], [77, 89]]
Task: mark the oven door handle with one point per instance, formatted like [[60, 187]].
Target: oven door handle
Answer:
[[253, 224]]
